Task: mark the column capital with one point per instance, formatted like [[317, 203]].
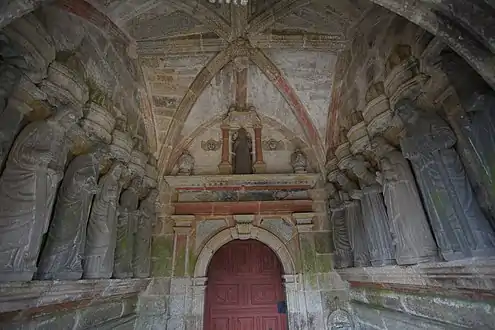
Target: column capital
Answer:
[[183, 223], [304, 221]]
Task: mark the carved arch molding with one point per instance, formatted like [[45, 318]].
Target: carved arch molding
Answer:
[[256, 233]]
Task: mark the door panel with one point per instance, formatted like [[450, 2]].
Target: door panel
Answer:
[[244, 288]]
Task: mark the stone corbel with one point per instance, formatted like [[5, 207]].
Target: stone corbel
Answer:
[[121, 146], [304, 221], [98, 123], [183, 223], [400, 74], [243, 226], [358, 138], [64, 86]]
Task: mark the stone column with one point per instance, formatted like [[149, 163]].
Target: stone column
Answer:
[[28, 188], [64, 248], [198, 303], [182, 232], [225, 166], [296, 303], [128, 215], [142, 244], [311, 294], [412, 237], [259, 165], [460, 227]]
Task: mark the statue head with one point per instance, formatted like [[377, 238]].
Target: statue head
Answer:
[[406, 111], [380, 146]]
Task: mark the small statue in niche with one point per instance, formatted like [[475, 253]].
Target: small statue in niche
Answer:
[[242, 148], [340, 319], [299, 161], [185, 163]]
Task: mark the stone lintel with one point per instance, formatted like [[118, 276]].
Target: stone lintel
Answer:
[[16, 296], [251, 207]]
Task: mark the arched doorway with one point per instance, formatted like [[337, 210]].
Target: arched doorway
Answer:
[[245, 290]]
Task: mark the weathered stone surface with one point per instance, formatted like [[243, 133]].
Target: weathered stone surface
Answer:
[[411, 235], [142, 243], [460, 227], [102, 226], [127, 221], [28, 188], [63, 252]]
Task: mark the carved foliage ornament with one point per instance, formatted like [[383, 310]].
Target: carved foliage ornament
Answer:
[[211, 145]]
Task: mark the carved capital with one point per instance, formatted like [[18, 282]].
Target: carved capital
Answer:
[[98, 123], [64, 86], [121, 146]]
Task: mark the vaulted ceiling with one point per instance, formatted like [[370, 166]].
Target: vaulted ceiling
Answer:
[[198, 58]]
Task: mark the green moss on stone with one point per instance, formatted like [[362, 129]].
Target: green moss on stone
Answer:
[[180, 262], [161, 255], [324, 263]]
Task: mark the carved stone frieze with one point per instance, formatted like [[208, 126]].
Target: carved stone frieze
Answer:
[[28, 187], [63, 252], [460, 227], [211, 145]]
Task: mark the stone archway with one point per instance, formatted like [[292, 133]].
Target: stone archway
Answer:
[[230, 234], [199, 282]]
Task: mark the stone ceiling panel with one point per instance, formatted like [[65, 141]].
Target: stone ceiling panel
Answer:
[[166, 25], [311, 75], [269, 102], [214, 101], [168, 79]]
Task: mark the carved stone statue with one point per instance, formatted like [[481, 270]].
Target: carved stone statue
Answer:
[[11, 66], [28, 187], [102, 227], [478, 127], [126, 224], [459, 225], [411, 234], [343, 249], [142, 243], [375, 217], [64, 248], [242, 158], [299, 161], [185, 164], [353, 219], [340, 319]]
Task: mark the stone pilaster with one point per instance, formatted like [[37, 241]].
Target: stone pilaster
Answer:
[[225, 166], [259, 165]]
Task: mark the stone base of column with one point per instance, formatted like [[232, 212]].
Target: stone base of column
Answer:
[[225, 168], [259, 167]]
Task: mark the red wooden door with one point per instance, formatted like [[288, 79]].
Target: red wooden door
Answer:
[[244, 290]]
